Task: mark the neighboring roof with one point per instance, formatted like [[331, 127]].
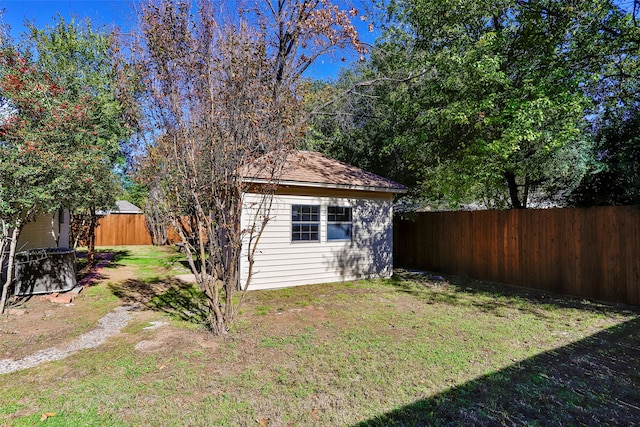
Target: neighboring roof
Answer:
[[125, 207], [311, 169]]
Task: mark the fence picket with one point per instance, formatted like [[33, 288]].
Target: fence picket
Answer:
[[586, 252], [122, 229]]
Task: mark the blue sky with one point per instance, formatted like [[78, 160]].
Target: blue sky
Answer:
[[121, 13]]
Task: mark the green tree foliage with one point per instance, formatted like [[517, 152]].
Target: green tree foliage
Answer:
[[60, 127], [617, 180], [490, 101], [614, 53], [357, 127], [46, 147], [83, 59]]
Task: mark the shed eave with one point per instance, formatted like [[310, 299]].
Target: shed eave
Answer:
[[328, 186]]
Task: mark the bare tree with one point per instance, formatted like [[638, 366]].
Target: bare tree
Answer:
[[223, 96], [156, 221]]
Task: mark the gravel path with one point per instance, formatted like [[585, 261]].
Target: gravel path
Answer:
[[109, 325]]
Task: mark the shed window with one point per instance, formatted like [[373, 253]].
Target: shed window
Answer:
[[339, 223], [305, 223]]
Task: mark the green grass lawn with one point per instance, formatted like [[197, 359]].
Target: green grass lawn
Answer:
[[407, 351]]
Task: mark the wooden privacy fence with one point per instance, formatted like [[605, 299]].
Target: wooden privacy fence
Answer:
[[586, 252], [122, 229], [128, 229]]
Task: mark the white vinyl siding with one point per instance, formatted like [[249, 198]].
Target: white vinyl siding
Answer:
[[41, 233], [281, 262], [64, 222], [47, 231]]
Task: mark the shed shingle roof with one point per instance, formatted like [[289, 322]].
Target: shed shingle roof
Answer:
[[124, 206], [311, 169]]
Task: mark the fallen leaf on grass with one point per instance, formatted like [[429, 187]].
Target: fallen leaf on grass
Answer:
[[263, 422], [47, 415]]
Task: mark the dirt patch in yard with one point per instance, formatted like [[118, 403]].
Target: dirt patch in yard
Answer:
[[164, 339], [33, 324]]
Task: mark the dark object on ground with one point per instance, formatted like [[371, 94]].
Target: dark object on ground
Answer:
[[45, 270]]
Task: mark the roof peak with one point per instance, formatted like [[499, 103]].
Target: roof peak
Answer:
[[313, 169]]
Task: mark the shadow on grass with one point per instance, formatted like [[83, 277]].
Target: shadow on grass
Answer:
[[171, 296], [103, 259], [184, 263], [104, 254], [594, 381], [490, 296]]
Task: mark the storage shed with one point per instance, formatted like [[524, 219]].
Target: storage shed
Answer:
[[47, 231], [329, 222]]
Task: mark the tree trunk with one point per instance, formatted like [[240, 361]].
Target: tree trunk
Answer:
[[217, 323], [525, 195], [12, 255], [3, 250], [215, 317], [91, 237], [512, 185]]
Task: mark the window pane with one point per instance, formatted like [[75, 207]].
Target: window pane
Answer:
[[338, 231], [305, 223], [306, 213], [339, 223], [315, 213], [338, 214]]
